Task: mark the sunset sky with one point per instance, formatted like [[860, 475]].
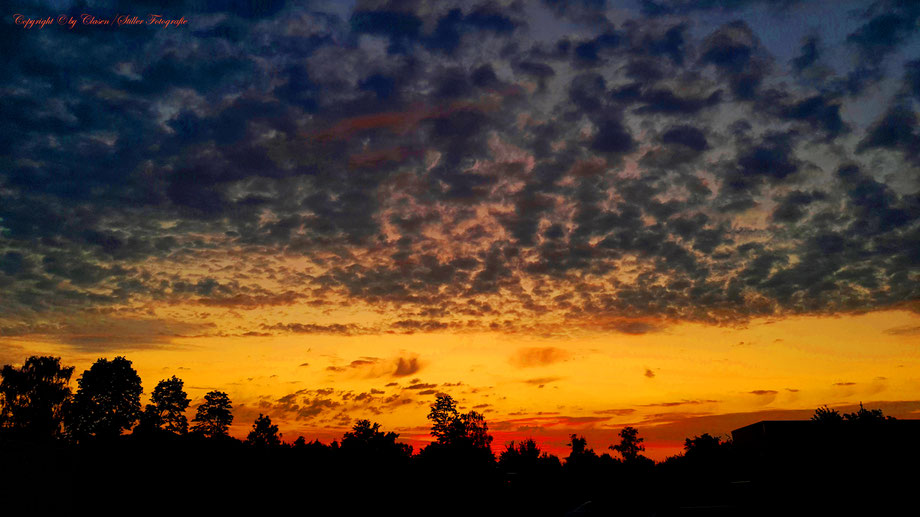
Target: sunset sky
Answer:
[[570, 216]]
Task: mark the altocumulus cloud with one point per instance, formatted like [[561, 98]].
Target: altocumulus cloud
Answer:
[[460, 167]]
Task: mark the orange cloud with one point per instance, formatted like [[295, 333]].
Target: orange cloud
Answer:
[[399, 122], [245, 301], [537, 356], [373, 367]]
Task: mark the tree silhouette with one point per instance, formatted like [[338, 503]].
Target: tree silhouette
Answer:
[[867, 416], [579, 445], [167, 411], [708, 454], [580, 456], [703, 445], [825, 415], [366, 439], [630, 444], [213, 417], [32, 397], [522, 457], [443, 416], [263, 433], [108, 400], [474, 429], [362, 434], [450, 428]]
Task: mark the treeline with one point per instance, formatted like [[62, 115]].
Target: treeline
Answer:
[[62, 450]]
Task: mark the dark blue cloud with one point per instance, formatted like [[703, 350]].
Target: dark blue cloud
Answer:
[[912, 78], [612, 137], [656, 8], [792, 206], [821, 112], [897, 129], [589, 53], [401, 28], [735, 51], [886, 30], [772, 158], [283, 130], [662, 100], [808, 54], [671, 43], [686, 135]]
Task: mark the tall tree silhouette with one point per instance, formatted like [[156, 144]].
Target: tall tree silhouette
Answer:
[[32, 397], [475, 430], [108, 400], [630, 444], [581, 456], [263, 433], [579, 445], [167, 411], [450, 428], [213, 417], [443, 415]]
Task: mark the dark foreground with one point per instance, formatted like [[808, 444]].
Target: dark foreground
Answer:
[[178, 475]]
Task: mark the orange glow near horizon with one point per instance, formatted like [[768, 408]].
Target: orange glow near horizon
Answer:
[[678, 382]]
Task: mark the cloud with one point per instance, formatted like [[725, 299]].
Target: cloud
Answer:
[[898, 129], [455, 171], [616, 412], [736, 53], [374, 367], [416, 325], [546, 422], [904, 330], [675, 7], [542, 381], [407, 366], [104, 333], [634, 327], [311, 328], [421, 386], [538, 356], [249, 302], [684, 402]]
